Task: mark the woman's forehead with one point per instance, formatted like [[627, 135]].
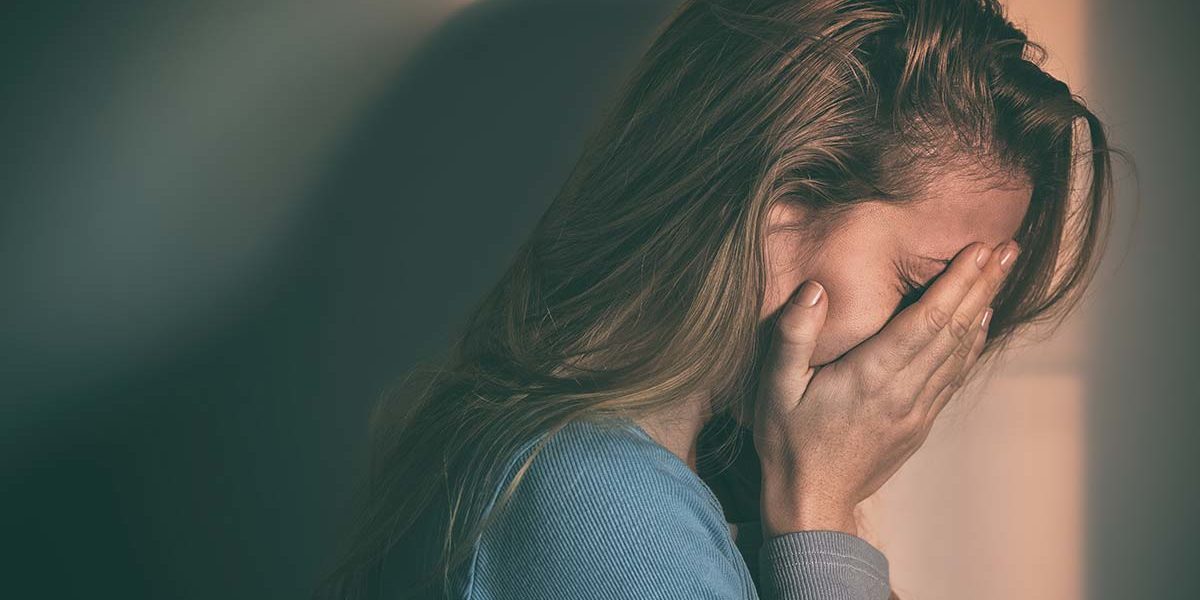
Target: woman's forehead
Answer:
[[958, 209]]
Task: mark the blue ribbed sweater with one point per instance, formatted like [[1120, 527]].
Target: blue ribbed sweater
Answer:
[[604, 511]]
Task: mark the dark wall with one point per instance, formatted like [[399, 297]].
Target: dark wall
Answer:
[[217, 459], [1144, 393]]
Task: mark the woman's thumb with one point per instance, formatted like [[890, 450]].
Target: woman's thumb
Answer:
[[795, 339]]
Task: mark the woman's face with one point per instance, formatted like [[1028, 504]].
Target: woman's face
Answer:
[[863, 263]]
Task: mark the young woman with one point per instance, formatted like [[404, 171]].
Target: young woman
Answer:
[[801, 222]]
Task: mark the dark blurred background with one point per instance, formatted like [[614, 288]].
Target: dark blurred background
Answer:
[[226, 228]]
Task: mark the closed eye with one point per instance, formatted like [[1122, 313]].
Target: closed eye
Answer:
[[910, 292], [940, 264]]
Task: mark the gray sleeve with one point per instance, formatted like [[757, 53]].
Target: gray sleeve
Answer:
[[822, 565]]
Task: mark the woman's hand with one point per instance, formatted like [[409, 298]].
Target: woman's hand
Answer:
[[828, 438]]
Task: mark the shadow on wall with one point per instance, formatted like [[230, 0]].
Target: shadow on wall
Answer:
[[223, 468]]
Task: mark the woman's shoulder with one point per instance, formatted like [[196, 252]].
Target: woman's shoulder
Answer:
[[606, 446], [615, 459], [594, 458], [600, 503]]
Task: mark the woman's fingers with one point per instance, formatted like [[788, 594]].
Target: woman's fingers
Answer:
[[904, 338], [966, 316], [959, 371], [793, 342]]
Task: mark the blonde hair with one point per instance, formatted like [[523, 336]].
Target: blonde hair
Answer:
[[642, 283]]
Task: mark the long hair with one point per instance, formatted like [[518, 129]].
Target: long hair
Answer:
[[642, 283]]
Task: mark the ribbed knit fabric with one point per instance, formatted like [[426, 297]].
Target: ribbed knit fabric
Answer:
[[604, 511]]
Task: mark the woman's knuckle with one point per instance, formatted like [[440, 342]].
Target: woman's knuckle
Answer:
[[920, 433], [794, 332], [899, 407], [937, 318], [957, 382], [871, 377], [962, 352], [913, 433], [960, 326]]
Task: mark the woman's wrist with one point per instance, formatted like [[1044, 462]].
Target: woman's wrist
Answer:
[[783, 512], [843, 522]]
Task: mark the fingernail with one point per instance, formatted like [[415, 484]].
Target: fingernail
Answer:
[[1006, 259], [809, 294], [987, 317], [982, 255]]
